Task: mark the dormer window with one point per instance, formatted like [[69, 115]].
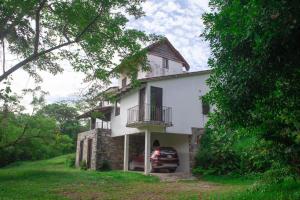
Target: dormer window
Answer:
[[124, 82], [165, 63]]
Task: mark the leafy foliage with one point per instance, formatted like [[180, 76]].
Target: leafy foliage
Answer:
[[90, 35], [238, 152], [29, 136], [255, 80], [26, 137], [66, 117], [70, 161]]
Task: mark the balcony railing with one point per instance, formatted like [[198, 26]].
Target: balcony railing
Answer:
[[147, 114]]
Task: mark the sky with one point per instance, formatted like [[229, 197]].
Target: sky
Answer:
[[179, 20]]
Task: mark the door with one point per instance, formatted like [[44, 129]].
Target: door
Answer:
[[142, 105], [156, 104], [80, 151], [89, 153]]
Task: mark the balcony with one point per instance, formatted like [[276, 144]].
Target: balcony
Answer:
[[149, 115]]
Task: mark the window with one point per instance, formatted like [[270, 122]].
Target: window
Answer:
[[117, 108], [205, 108], [124, 81], [165, 63]]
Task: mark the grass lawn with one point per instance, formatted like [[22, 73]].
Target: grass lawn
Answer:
[[51, 179]]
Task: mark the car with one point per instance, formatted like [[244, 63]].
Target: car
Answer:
[[161, 158]]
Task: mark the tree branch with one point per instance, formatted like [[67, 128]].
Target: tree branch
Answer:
[[37, 55], [17, 140], [3, 55], [88, 26], [37, 26], [30, 59]]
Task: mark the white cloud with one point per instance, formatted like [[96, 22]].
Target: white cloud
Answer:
[[181, 22]]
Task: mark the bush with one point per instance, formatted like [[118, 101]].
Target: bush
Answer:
[[105, 166], [70, 161], [239, 152], [278, 174], [83, 165], [216, 154]]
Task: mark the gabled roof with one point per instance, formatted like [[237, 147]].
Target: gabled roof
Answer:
[[152, 49], [158, 78], [165, 40]]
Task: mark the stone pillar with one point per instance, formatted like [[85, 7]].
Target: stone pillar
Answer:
[[126, 152], [147, 152]]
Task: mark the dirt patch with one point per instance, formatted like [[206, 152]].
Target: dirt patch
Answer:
[[141, 191]]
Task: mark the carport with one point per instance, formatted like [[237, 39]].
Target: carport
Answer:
[[143, 144]]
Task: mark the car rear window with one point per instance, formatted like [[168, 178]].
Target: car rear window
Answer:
[[167, 149]]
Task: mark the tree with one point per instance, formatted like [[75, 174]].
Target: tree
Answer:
[[255, 80], [66, 117], [31, 137], [89, 34]]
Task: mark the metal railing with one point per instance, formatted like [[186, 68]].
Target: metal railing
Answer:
[[103, 125], [149, 113]]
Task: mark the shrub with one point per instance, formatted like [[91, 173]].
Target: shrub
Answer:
[[83, 165], [105, 166], [70, 161], [238, 152], [278, 174], [216, 154]]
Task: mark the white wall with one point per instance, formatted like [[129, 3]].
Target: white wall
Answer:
[[178, 142], [157, 69], [118, 123], [182, 95]]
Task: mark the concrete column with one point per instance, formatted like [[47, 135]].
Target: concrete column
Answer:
[[126, 152], [147, 152]]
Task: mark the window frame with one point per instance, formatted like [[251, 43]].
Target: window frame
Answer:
[[165, 63], [117, 109]]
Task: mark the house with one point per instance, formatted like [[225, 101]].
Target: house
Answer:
[[166, 107]]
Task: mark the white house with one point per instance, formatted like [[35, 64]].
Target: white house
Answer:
[[167, 107]]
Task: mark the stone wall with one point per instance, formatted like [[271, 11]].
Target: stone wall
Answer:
[[92, 134], [110, 149], [104, 147], [194, 141]]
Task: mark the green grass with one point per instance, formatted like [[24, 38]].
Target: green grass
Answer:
[[249, 188], [51, 179]]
